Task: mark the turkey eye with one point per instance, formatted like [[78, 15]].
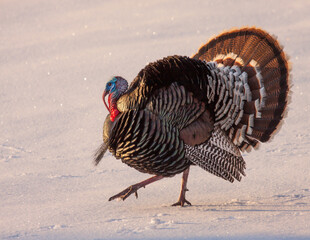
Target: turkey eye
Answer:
[[109, 84]]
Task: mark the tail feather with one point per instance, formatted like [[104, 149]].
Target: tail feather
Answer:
[[258, 55]]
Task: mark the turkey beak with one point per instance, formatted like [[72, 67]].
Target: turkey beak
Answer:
[[105, 93]]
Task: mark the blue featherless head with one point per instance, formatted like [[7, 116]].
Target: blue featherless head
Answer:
[[111, 86], [117, 86]]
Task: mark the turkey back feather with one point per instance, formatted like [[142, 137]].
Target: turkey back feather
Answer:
[[188, 72], [256, 61]]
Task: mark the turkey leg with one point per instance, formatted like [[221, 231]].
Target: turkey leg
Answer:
[[134, 188], [182, 199]]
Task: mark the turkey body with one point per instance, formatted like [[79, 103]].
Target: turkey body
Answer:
[[148, 133], [203, 110]]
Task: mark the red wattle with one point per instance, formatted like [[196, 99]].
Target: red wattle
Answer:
[[114, 113], [113, 109]]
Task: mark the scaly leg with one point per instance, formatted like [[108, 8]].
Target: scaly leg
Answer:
[[182, 199], [134, 188]]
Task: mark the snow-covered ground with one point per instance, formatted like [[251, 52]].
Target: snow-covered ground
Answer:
[[55, 58]]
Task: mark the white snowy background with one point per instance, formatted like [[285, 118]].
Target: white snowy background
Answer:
[[55, 59]]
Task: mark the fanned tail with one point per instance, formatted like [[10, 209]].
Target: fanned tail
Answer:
[[254, 60]]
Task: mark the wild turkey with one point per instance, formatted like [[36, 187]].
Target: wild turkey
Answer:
[[204, 110]]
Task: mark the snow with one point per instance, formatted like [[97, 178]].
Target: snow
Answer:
[[55, 58]]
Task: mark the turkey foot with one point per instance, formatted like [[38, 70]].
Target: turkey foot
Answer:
[[134, 188], [126, 193], [182, 199], [181, 202]]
